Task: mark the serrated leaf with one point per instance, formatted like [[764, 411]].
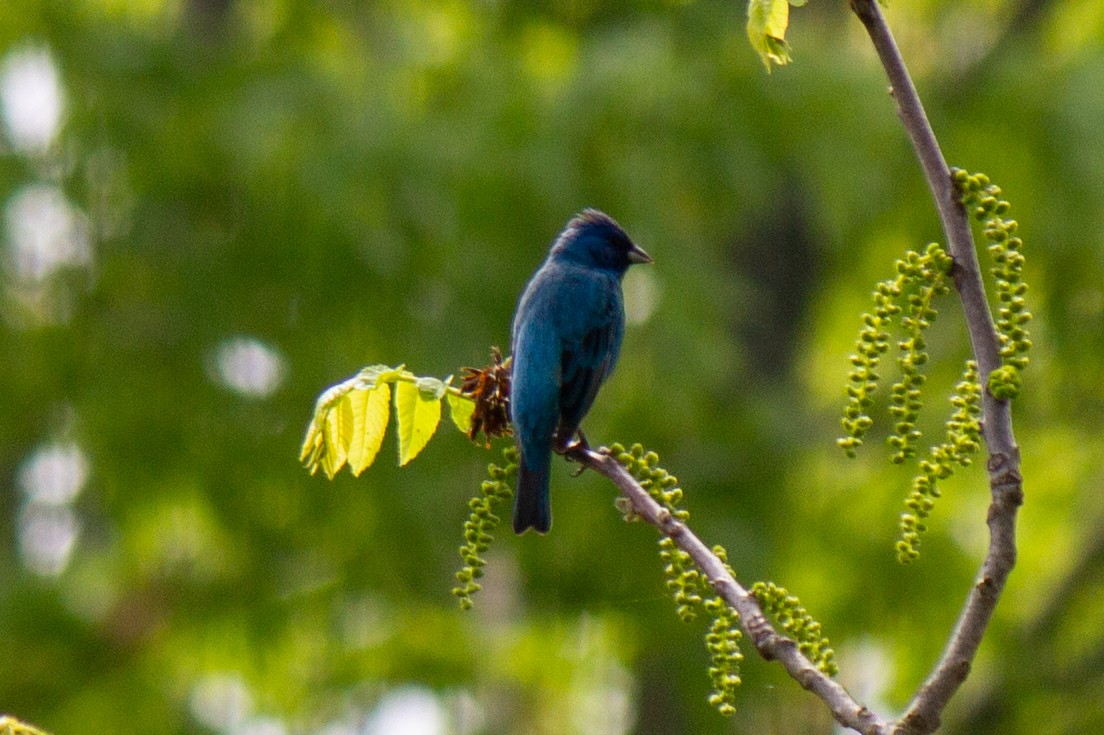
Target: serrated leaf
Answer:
[[336, 435], [350, 419], [370, 417], [417, 417], [461, 410], [312, 443], [766, 28]]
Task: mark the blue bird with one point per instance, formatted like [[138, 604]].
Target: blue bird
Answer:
[[566, 337]]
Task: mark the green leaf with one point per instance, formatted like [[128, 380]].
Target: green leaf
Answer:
[[314, 443], [337, 434], [312, 446], [418, 414], [766, 28], [346, 422], [370, 416], [461, 410]]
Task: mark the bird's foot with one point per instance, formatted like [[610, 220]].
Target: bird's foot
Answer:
[[577, 444]]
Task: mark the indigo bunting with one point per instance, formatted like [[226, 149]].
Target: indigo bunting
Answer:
[[566, 337]]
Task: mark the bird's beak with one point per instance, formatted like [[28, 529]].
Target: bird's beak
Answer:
[[637, 255]]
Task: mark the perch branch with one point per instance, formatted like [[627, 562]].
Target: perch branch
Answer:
[[770, 644], [1005, 482]]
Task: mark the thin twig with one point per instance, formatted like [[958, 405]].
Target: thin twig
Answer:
[[1005, 481], [770, 644]]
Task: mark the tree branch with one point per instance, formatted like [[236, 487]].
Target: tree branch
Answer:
[[770, 644], [1006, 484], [1005, 481]]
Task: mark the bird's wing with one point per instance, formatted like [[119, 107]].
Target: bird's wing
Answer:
[[535, 377], [589, 357]]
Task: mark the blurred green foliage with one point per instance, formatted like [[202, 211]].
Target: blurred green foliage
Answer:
[[247, 200]]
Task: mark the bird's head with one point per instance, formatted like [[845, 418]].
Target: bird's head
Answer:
[[593, 239]]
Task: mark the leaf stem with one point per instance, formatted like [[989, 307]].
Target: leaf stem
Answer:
[[406, 376]]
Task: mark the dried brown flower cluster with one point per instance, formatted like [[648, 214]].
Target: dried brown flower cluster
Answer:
[[489, 388]]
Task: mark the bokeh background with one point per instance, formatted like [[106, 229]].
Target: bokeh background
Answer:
[[214, 209]]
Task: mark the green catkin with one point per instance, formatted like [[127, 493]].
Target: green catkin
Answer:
[[983, 199], [683, 579], [645, 469], [788, 611], [908, 298], [693, 593], [963, 439], [920, 278], [873, 342], [925, 276], [480, 526], [723, 643], [690, 590]]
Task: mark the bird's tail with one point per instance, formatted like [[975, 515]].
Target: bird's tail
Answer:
[[532, 508]]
